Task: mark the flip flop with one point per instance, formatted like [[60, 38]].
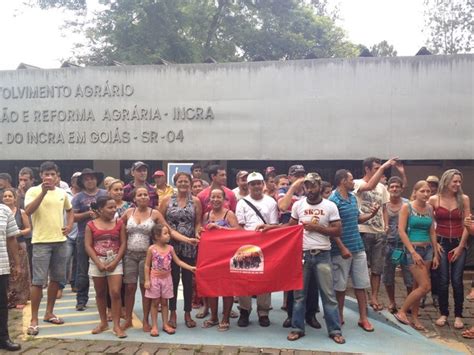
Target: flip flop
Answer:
[[458, 325], [470, 297], [419, 327], [233, 314], [338, 338], [202, 314], [154, 333], [54, 320], [210, 323], [32, 330], [295, 336], [99, 329], [223, 326], [397, 317], [190, 323], [172, 324], [376, 307], [468, 334], [169, 330], [366, 326], [120, 336], [441, 322]]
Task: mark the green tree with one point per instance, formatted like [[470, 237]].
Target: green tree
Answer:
[[383, 49], [449, 24], [186, 31]]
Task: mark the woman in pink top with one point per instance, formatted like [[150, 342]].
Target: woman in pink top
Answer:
[[450, 207], [105, 242]]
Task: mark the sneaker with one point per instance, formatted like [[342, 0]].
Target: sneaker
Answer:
[[244, 318], [264, 321], [80, 307]]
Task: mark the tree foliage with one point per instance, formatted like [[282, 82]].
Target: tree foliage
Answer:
[[449, 25], [187, 31], [383, 49]]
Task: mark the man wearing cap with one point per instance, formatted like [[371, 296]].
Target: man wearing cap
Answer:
[[162, 188], [321, 222], [218, 177], [88, 181], [433, 183], [139, 173], [46, 204], [287, 196], [254, 212], [242, 188]]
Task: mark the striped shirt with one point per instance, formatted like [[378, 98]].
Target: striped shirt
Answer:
[[8, 229], [349, 213]]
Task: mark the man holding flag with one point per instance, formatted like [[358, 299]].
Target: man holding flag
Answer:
[[253, 212], [321, 221]]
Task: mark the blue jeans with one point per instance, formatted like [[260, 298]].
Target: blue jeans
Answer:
[[320, 266], [454, 271], [82, 275]]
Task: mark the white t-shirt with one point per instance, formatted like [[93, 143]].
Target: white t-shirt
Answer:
[[366, 199], [237, 194], [247, 217], [326, 211]]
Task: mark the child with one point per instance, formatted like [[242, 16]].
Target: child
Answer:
[[105, 243], [158, 282]]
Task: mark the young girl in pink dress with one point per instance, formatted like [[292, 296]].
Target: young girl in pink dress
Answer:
[[158, 281]]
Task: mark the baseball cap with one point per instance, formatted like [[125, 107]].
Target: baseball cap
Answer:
[[432, 178], [241, 173], [254, 177], [158, 173], [296, 169], [313, 178], [139, 164]]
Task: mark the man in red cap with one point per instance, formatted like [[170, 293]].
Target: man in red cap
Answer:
[[162, 188]]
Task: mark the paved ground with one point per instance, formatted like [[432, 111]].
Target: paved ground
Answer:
[[78, 339]]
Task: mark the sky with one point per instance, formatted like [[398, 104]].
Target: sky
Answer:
[[33, 36]]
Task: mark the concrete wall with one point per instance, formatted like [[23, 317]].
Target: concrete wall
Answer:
[[412, 107]]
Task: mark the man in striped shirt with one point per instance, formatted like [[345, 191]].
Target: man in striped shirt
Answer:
[[348, 252], [8, 246]]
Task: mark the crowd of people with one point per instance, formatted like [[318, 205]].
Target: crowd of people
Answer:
[[125, 236]]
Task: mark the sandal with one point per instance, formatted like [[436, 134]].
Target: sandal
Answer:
[[470, 297], [202, 314], [223, 326], [121, 334], [392, 308], [99, 329], [190, 323], [376, 307], [468, 333], [294, 336], [54, 320], [458, 324], [366, 326], [169, 329], [172, 323], [400, 319], [418, 326], [441, 321], [209, 323], [32, 330], [338, 338], [154, 333]]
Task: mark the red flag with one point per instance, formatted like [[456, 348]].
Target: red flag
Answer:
[[243, 263]]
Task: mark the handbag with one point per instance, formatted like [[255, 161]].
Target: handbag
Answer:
[[398, 256]]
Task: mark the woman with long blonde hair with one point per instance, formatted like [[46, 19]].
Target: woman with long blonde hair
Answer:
[[417, 232], [451, 206]]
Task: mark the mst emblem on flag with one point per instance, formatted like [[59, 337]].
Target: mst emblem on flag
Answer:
[[248, 260], [243, 263]]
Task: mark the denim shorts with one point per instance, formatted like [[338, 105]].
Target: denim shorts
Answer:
[[49, 258], [425, 252]]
